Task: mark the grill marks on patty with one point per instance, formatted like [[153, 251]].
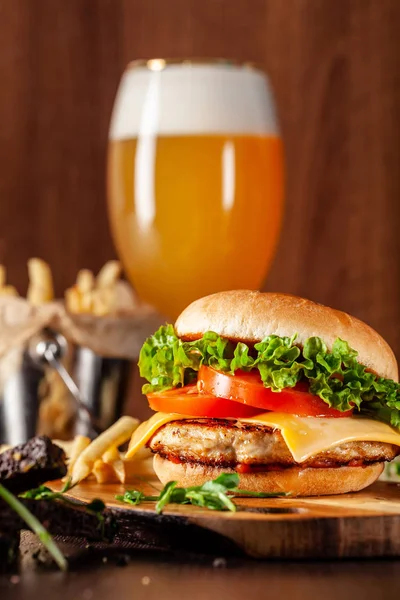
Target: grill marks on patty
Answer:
[[227, 443]]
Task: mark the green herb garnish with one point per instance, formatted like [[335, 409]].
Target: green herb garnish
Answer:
[[336, 377], [134, 497], [95, 507], [212, 494], [43, 493], [167, 496], [35, 526]]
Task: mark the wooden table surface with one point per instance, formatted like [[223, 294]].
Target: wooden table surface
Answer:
[[103, 576]]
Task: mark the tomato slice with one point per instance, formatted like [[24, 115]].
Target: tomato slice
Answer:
[[248, 389], [189, 401]]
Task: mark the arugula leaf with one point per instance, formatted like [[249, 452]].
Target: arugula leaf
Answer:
[[228, 480], [40, 493], [336, 377], [165, 496], [133, 497], [45, 493], [213, 499], [96, 506], [212, 494], [67, 485]]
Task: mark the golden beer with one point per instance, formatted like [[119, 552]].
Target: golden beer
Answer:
[[195, 193]]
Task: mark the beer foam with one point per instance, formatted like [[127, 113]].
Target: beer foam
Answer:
[[194, 99]]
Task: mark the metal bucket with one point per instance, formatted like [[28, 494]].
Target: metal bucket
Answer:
[[19, 404], [103, 383], [98, 386]]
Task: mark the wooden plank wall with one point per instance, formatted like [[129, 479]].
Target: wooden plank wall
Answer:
[[334, 65]]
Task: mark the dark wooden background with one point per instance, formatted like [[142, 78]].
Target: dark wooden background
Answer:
[[334, 65]]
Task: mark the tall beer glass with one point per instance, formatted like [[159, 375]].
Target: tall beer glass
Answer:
[[195, 179]]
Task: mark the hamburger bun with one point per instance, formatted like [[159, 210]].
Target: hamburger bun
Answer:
[[296, 481], [250, 316]]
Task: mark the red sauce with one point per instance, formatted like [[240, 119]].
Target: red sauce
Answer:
[[174, 459], [242, 468]]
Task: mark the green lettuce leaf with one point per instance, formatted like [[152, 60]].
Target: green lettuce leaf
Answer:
[[335, 376]]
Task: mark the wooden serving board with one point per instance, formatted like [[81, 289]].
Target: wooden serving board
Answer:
[[363, 524]]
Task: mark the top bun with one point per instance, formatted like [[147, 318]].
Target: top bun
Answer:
[[249, 316]]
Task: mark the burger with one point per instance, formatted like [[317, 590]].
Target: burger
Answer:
[[291, 395]]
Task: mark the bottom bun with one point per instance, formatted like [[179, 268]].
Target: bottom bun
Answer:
[[299, 482]]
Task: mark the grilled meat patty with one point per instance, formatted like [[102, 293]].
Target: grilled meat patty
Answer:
[[227, 443]]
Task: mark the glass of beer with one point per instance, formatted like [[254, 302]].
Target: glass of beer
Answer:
[[195, 179]]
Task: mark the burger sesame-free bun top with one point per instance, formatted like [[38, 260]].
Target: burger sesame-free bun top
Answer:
[[250, 316]]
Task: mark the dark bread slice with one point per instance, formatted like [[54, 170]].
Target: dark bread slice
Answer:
[[29, 465]]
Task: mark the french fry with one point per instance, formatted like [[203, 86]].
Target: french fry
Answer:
[[98, 296], [103, 301], [80, 443], [73, 300], [115, 435], [87, 302], [8, 290], [112, 458], [85, 281], [108, 274], [40, 288], [137, 468], [103, 472], [85, 285], [140, 464]]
